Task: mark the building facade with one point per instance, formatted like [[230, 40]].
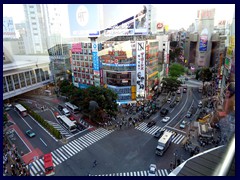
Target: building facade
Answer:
[[25, 74]]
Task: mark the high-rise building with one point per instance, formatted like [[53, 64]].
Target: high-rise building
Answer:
[[36, 29]]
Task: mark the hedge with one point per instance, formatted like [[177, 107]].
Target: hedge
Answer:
[[44, 123]]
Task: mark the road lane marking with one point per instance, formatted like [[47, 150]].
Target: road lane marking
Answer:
[[43, 142], [175, 129], [23, 142], [23, 119], [43, 128]]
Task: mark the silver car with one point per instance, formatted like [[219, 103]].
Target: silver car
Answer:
[[152, 170]]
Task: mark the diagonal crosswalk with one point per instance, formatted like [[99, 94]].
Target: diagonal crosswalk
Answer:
[[68, 150], [159, 172], [143, 127]]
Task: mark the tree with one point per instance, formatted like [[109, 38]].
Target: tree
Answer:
[[176, 70], [170, 84], [204, 74]]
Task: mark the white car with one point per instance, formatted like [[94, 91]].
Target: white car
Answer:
[[178, 91], [166, 119], [169, 100], [152, 170]]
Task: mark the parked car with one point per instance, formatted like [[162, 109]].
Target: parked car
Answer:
[[159, 133], [30, 133], [173, 93], [169, 100], [166, 119], [189, 114], [60, 107], [164, 112], [200, 104], [57, 115], [151, 123], [183, 124], [173, 105], [152, 170]]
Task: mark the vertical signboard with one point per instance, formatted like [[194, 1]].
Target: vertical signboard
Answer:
[[84, 20], [140, 69], [203, 43], [96, 67], [8, 28]]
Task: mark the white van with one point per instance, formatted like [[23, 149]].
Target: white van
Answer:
[[200, 104], [66, 112]]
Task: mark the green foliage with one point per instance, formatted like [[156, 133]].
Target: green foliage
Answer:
[[176, 70], [5, 118], [204, 74], [44, 123], [171, 84]]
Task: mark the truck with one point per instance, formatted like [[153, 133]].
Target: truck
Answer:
[[164, 142]]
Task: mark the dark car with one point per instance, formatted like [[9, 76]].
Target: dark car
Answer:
[[184, 90], [151, 123], [60, 107], [164, 112], [173, 105], [159, 133], [80, 127]]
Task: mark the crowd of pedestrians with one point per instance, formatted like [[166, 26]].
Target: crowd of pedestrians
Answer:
[[12, 163]]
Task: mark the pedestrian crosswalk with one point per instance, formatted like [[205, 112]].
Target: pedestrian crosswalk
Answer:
[[68, 150], [160, 172], [143, 127], [60, 129]]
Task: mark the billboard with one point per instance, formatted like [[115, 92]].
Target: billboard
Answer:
[[203, 43], [8, 28], [84, 20], [77, 47], [125, 19], [140, 69]]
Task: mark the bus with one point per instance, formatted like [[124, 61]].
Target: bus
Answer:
[[67, 123], [48, 164], [74, 109], [21, 110]]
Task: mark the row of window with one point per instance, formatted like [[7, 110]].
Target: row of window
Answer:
[[83, 81], [121, 90], [82, 64], [21, 80], [83, 70], [84, 75]]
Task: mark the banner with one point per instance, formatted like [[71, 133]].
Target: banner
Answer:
[[203, 43], [140, 69]]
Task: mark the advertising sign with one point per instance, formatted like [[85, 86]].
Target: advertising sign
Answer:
[[140, 69], [118, 65], [129, 19], [203, 43], [77, 47], [8, 28], [84, 20]]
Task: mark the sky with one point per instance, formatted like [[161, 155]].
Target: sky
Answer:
[[176, 16]]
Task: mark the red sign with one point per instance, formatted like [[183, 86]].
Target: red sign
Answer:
[[159, 25]]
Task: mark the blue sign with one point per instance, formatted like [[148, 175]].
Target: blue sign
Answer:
[[203, 43], [84, 20], [83, 86], [95, 61]]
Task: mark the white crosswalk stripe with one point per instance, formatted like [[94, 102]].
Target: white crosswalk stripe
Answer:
[[60, 129], [68, 150], [143, 127], [160, 172]]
